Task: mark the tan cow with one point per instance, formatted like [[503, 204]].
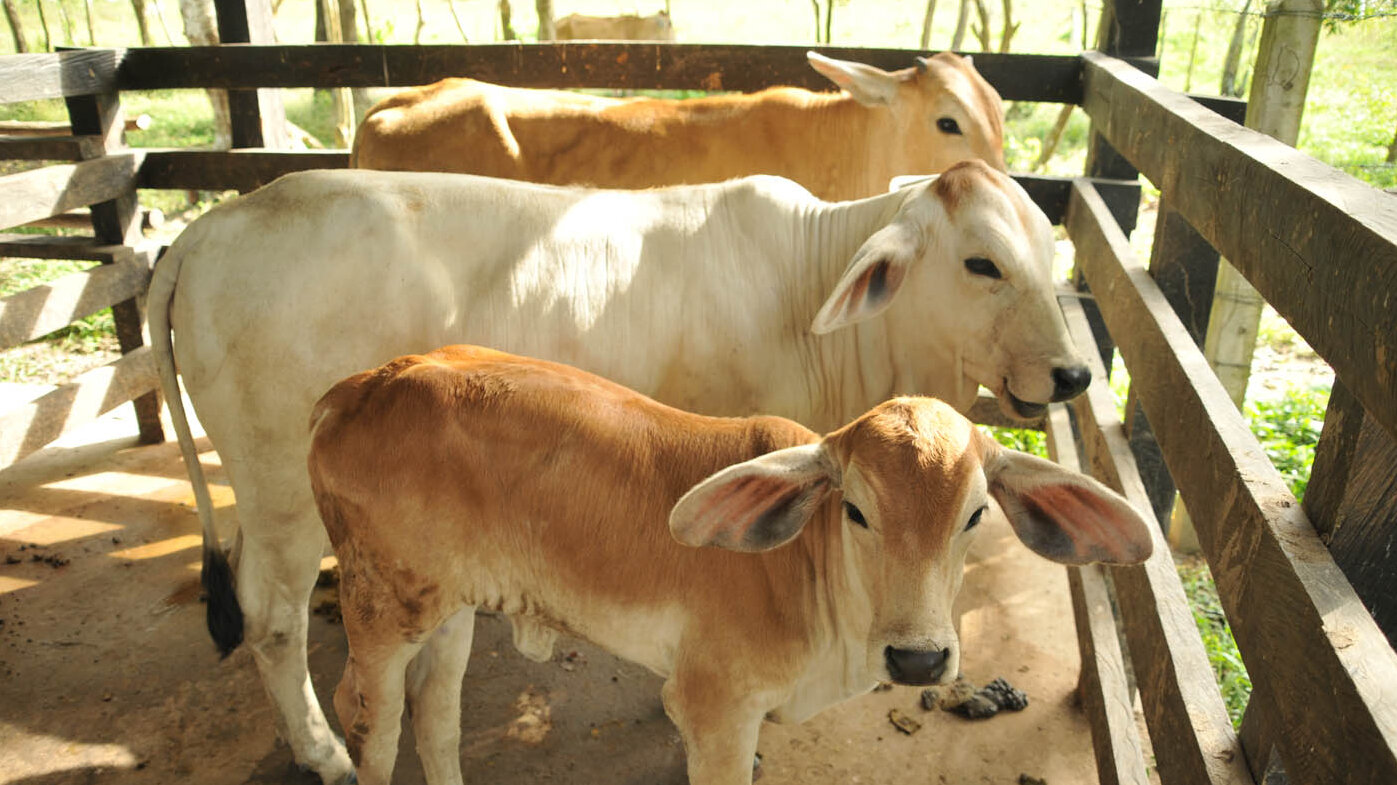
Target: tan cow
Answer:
[[628, 27], [795, 570], [844, 145]]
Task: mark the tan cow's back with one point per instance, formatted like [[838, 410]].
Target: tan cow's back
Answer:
[[464, 426], [627, 27], [830, 143]]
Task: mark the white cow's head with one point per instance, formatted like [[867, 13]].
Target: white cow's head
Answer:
[[962, 274], [946, 112], [901, 491]]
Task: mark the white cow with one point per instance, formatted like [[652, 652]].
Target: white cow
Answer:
[[740, 297]]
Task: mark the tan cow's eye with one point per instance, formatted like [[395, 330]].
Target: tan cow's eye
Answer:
[[855, 514], [975, 518], [948, 125], [979, 265]]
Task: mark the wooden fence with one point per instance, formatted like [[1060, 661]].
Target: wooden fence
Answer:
[[1318, 245]]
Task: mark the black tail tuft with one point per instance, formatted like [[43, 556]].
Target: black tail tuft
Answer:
[[225, 616]]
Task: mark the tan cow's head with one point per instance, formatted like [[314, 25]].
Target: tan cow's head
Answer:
[[948, 113], [963, 272], [910, 481]]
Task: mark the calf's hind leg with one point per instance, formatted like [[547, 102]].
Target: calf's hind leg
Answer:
[[434, 697], [369, 701]]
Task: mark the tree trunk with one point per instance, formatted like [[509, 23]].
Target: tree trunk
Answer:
[[829, 21], [926, 25], [67, 24], [1233, 61], [44, 23], [1086, 22], [349, 33], [815, 4], [962, 17], [1054, 137], [1010, 27], [545, 20], [142, 24], [1193, 51], [329, 27], [91, 29], [16, 27], [982, 30], [368, 25], [1392, 150], [455, 17], [201, 29], [506, 27]]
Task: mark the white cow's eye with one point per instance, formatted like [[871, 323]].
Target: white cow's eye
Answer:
[[855, 514], [975, 518], [948, 125], [979, 265]]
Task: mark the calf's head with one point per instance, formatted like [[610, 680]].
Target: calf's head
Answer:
[[944, 111], [909, 482], [964, 274]]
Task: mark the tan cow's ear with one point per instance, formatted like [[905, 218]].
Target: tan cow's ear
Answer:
[[1068, 517], [868, 85], [871, 280], [756, 505]]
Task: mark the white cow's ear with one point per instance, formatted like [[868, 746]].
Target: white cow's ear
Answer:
[[1068, 517], [868, 85], [756, 505], [871, 280]]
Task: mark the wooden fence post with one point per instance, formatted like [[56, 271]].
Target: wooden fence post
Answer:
[[118, 222], [258, 116]]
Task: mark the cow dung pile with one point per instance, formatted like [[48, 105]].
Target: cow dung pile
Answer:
[[962, 698]]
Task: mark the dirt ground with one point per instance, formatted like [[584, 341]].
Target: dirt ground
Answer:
[[107, 674]]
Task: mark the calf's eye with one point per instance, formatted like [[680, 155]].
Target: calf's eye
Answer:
[[855, 515], [948, 125], [975, 518], [979, 265]]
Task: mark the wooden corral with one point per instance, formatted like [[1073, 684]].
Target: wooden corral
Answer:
[[1307, 590]]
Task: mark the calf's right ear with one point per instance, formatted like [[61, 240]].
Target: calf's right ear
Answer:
[[872, 279], [756, 505]]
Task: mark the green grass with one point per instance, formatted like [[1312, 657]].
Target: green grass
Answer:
[[1288, 429], [1223, 656]]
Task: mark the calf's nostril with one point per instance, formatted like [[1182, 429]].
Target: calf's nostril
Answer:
[[916, 666], [1069, 382]]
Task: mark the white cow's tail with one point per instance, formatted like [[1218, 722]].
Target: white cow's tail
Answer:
[[225, 616]]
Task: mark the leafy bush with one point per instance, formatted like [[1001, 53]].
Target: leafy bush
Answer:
[[1223, 655], [1288, 429]]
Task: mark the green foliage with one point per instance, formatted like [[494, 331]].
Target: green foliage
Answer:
[[1288, 429], [1021, 439], [1223, 655]]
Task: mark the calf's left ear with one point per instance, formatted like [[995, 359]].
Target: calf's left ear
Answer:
[[756, 505], [1068, 517]]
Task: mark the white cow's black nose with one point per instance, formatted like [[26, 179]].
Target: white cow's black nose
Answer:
[[1070, 382], [916, 666]]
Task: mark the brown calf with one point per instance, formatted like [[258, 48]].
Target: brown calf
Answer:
[[764, 570]]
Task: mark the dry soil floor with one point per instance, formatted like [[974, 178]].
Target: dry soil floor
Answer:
[[107, 675]]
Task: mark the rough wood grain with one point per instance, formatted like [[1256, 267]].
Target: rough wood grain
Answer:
[[30, 426], [1318, 244], [41, 246], [1189, 729], [635, 66], [40, 193], [32, 77], [50, 148], [42, 309], [1302, 631], [1103, 689], [243, 170]]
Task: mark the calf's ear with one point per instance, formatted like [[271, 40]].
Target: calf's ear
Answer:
[[756, 505], [871, 280], [1068, 517], [868, 85]]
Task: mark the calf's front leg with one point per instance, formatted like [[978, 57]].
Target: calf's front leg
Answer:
[[719, 727], [434, 697]]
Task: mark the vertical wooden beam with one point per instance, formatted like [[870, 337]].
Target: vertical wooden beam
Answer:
[[258, 116], [118, 222]]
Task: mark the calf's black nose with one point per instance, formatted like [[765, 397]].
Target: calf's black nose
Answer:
[[916, 666], [1070, 382]]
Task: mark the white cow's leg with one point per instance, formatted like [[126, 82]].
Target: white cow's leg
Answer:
[[719, 728], [275, 576], [434, 697]]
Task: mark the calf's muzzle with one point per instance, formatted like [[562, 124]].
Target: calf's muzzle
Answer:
[[916, 666]]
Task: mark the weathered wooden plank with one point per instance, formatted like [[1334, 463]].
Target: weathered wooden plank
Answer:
[[243, 170], [42, 246], [46, 128], [50, 148], [1352, 500], [40, 193], [39, 311], [81, 220], [1189, 729], [1103, 688], [1303, 632], [29, 427], [1318, 244], [746, 68], [31, 77], [258, 117]]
